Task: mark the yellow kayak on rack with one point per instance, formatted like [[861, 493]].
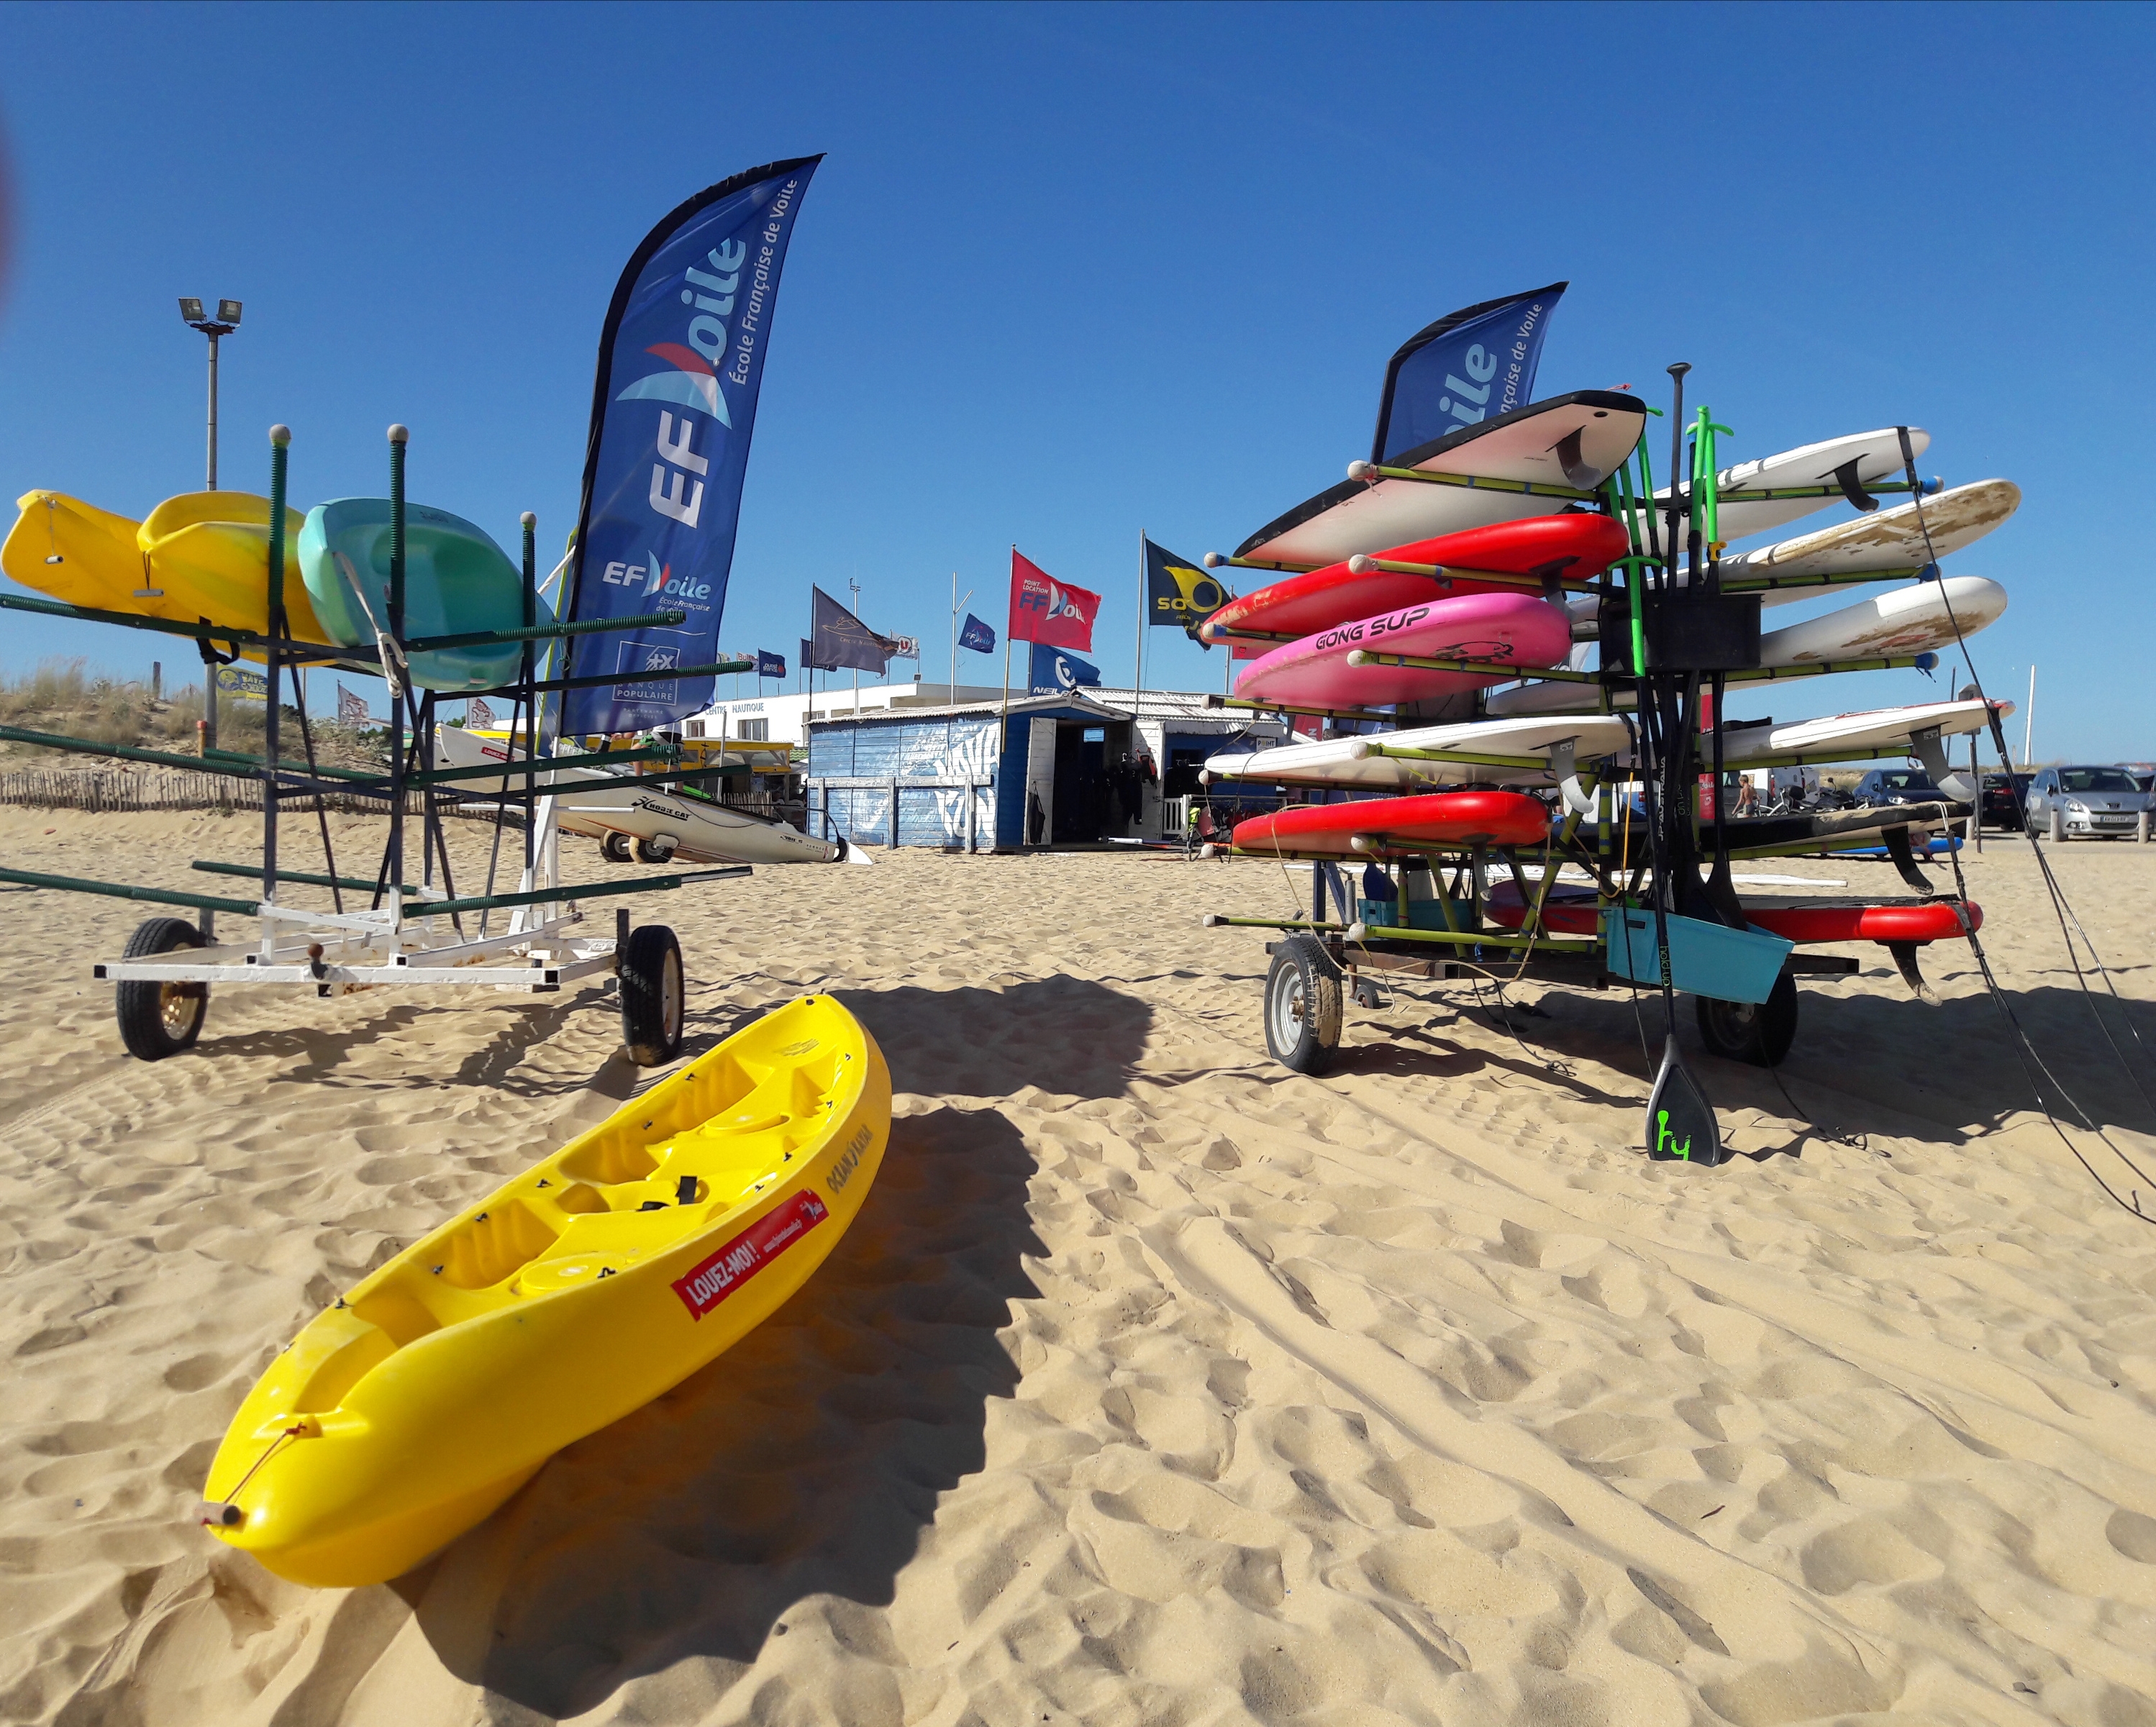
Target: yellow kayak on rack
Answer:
[[200, 555], [575, 1294]]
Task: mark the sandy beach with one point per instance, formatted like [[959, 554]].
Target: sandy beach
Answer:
[[1155, 1384]]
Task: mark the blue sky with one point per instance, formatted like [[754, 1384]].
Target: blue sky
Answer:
[[1072, 272]]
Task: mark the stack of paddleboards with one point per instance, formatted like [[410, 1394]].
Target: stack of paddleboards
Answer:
[[1924, 610], [1334, 627], [1497, 533]]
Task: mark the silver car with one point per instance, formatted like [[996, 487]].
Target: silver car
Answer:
[[2092, 802]]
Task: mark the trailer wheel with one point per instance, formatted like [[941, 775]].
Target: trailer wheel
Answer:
[[159, 1019], [1742, 1031], [653, 996], [654, 851], [614, 848], [1302, 1005]]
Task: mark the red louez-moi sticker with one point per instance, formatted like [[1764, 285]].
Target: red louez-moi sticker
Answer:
[[710, 1280]]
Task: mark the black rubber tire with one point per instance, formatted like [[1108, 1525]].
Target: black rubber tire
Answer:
[[159, 1019], [1302, 1008], [654, 995], [647, 853], [614, 848], [1738, 1031]]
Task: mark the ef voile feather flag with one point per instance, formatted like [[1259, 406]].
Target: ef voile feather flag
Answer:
[[681, 360], [1051, 613], [1471, 366]]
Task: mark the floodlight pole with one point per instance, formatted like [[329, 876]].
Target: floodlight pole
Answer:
[[226, 322], [212, 328], [211, 483]]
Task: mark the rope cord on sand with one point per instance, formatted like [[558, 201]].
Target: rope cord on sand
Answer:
[[2022, 1044], [2060, 904]]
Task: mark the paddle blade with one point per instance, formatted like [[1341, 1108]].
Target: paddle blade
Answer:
[[1680, 1124]]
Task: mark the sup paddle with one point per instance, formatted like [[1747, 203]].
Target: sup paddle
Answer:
[[1680, 1124]]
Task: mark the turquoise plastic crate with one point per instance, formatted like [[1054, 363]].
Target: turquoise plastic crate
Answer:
[[1422, 915], [1705, 959]]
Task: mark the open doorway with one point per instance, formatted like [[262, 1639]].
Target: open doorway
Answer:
[[1075, 774]]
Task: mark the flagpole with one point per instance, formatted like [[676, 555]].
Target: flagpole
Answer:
[[1003, 725], [1138, 659], [856, 588], [954, 639]]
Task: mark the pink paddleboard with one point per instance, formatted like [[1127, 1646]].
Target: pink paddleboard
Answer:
[[1508, 629]]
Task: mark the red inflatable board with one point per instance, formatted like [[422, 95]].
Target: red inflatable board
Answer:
[[1574, 546], [1438, 820], [1572, 912]]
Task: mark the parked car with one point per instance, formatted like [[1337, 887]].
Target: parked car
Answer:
[[2001, 803], [1897, 785], [2093, 802]]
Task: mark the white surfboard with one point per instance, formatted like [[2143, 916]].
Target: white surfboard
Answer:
[[1865, 455], [1903, 621], [1359, 762], [1887, 540], [1894, 625], [684, 826], [1844, 737], [1573, 443]]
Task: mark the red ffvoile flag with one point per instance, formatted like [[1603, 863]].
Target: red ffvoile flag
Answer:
[[1051, 613]]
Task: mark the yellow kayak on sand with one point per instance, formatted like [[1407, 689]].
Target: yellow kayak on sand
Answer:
[[597, 1279], [200, 555]]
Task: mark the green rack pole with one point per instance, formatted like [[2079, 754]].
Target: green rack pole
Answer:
[[544, 631], [529, 521], [589, 890], [118, 890], [229, 763], [198, 632], [718, 667], [210, 866], [399, 436], [280, 441], [1470, 482], [1558, 674]]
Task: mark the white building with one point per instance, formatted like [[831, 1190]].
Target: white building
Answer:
[[783, 719]]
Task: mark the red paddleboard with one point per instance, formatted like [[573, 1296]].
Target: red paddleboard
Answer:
[[1570, 912], [1398, 825], [1506, 628], [1575, 547]]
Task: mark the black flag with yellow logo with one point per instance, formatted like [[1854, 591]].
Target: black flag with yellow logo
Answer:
[[1180, 591]]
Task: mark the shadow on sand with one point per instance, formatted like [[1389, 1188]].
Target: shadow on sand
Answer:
[[1850, 1067], [809, 1459]]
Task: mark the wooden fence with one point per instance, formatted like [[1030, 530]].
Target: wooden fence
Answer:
[[119, 792]]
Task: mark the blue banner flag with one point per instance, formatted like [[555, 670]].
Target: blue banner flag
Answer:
[[770, 666], [680, 362], [1056, 669], [808, 656], [1471, 365], [977, 635]]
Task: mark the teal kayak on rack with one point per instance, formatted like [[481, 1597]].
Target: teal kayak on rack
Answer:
[[457, 581]]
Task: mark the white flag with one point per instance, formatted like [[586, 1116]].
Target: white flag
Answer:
[[352, 709], [477, 716]]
